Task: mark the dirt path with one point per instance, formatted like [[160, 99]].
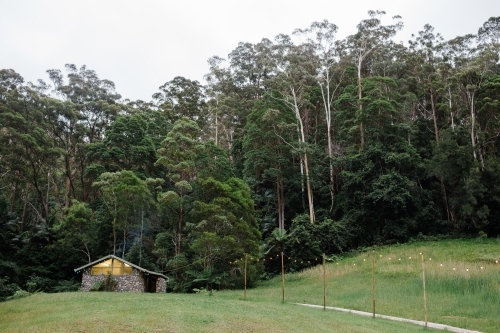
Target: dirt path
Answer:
[[416, 322]]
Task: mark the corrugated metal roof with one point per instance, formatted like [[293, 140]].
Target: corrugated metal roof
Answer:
[[122, 260]]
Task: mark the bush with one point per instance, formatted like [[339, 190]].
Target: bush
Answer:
[[96, 286], [66, 286], [108, 284], [7, 289], [481, 236], [39, 283], [179, 281], [31, 286], [19, 294]]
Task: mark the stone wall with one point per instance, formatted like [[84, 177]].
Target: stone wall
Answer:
[[161, 285], [132, 282]]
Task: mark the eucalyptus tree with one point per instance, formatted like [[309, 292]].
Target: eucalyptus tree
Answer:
[[490, 31], [29, 157], [488, 102], [180, 98], [370, 36], [224, 103], [473, 66], [489, 39], [429, 75], [67, 134], [322, 38], [178, 154], [95, 99], [10, 84], [122, 194], [127, 145], [89, 105], [251, 66], [234, 87], [381, 194], [293, 81], [268, 157]]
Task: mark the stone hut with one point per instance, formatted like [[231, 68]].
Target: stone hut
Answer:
[[129, 277]]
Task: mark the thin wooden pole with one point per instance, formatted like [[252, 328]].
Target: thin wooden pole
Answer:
[[245, 290], [142, 228], [282, 278], [324, 283], [373, 283], [425, 291]]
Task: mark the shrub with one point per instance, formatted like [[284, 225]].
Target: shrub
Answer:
[[66, 285], [481, 235], [39, 283], [108, 284], [96, 286], [19, 294], [7, 289]]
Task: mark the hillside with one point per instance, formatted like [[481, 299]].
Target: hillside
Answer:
[[462, 282]]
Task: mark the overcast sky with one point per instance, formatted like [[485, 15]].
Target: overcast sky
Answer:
[[140, 45]]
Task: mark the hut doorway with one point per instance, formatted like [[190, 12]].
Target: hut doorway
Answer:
[[149, 284]]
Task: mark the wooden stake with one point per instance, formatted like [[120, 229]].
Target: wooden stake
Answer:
[[324, 283], [282, 278], [425, 291], [373, 283], [245, 290]]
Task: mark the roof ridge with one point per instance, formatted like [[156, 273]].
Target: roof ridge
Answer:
[[122, 260]]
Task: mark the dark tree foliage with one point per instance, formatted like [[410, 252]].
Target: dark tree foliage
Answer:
[[306, 148]]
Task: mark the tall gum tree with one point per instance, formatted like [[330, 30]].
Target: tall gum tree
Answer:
[[224, 101], [427, 69], [31, 157], [474, 64], [267, 156], [180, 98], [371, 35], [293, 81], [89, 106], [322, 40]]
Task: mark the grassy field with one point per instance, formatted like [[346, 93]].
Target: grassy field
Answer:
[[467, 296], [462, 280], [128, 312]]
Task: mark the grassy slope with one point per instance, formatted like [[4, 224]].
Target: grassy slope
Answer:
[[468, 299]]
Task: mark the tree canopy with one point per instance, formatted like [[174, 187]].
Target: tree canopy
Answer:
[[305, 143]]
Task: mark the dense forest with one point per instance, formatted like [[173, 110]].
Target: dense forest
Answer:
[[305, 144]]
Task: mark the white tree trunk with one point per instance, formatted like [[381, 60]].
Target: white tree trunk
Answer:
[[304, 157]]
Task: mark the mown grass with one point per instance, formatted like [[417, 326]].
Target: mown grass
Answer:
[[467, 297], [462, 281], [139, 312]]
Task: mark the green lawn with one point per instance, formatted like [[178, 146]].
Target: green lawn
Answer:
[[134, 312], [467, 299]]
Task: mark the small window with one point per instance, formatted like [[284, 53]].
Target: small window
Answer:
[[111, 266]]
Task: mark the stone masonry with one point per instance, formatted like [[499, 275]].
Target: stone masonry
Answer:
[[161, 285], [132, 282]]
